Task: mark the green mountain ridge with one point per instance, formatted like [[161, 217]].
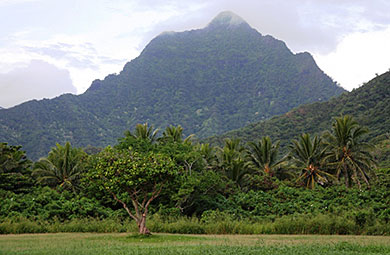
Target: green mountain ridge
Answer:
[[209, 80], [368, 104]]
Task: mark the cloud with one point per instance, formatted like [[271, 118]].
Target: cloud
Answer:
[[309, 25], [92, 38], [360, 65], [14, 2], [36, 81], [78, 56], [305, 25]]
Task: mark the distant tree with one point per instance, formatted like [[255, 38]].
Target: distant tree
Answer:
[[307, 156], [208, 154], [132, 177], [263, 156], [142, 139], [143, 132], [62, 168], [15, 172], [175, 134], [234, 145], [12, 159], [184, 154], [231, 161], [348, 153], [382, 152], [200, 192], [92, 150]]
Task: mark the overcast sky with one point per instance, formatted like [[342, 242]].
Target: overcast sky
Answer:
[[50, 47]]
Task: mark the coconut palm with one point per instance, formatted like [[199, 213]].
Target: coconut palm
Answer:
[[232, 151], [143, 132], [263, 156], [208, 154], [347, 153], [233, 145], [307, 156], [62, 167], [142, 139], [175, 134], [230, 161]]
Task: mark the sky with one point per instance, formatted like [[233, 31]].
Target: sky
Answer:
[[51, 47]]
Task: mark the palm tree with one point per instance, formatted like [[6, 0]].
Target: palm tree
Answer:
[[208, 154], [263, 156], [62, 167], [347, 153], [142, 139], [175, 134], [307, 155], [232, 151], [143, 132], [236, 171], [230, 161], [233, 145]]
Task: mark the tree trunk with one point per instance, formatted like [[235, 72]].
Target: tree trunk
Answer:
[[143, 230], [346, 176]]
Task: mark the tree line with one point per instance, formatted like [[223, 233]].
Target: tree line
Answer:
[[145, 172]]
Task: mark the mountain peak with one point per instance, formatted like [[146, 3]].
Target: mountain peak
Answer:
[[208, 80], [227, 18]]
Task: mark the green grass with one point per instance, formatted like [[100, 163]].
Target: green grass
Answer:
[[291, 224], [113, 244]]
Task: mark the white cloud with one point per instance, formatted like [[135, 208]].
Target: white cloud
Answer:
[[12, 2], [358, 58], [36, 81], [93, 38]]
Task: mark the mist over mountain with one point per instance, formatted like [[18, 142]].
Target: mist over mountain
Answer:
[[369, 105], [209, 80]]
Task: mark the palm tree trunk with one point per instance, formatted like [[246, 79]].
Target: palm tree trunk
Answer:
[[346, 177]]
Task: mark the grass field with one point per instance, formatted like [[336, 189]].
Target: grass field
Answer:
[[110, 244]]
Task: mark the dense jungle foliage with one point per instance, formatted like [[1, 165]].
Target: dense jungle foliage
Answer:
[[326, 184], [210, 81], [369, 104]]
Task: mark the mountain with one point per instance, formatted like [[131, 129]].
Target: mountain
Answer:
[[209, 80], [369, 105]]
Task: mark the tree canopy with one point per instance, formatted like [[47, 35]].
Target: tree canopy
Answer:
[[132, 176]]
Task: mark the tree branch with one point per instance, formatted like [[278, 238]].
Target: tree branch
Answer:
[[124, 205], [155, 194]]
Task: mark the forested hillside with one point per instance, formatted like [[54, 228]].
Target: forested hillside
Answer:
[[209, 80], [369, 104]]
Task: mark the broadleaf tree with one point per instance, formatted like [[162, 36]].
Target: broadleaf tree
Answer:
[[133, 179]]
